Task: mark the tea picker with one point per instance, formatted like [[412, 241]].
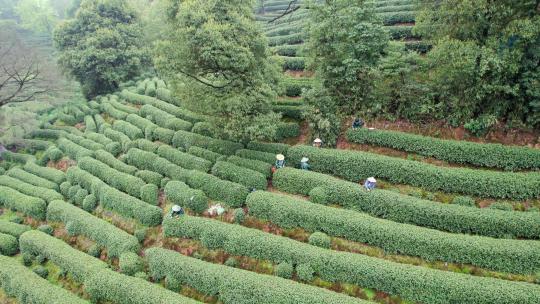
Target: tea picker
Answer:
[[358, 123], [280, 161], [176, 211], [370, 183], [317, 143], [304, 163]]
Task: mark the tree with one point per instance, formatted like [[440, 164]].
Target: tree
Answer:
[[217, 61], [346, 42], [322, 114], [21, 72], [37, 15], [485, 64], [102, 46]]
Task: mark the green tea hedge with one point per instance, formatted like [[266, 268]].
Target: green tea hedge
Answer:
[[143, 124], [152, 162], [28, 205], [31, 178], [72, 149], [183, 159], [294, 112], [14, 157], [119, 137], [288, 129], [8, 244], [274, 148], [113, 112], [13, 229], [164, 119], [407, 209], [51, 174], [252, 164], [111, 161], [130, 130], [84, 142], [26, 286], [163, 135], [130, 207], [181, 194], [231, 193], [392, 18], [462, 152], [356, 166], [266, 157], [514, 256], [111, 146], [149, 177], [46, 194], [90, 123], [116, 240], [114, 178], [244, 176], [185, 140], [146, 145], [238, 286], [204, 153], [77, 263], [410, 282]]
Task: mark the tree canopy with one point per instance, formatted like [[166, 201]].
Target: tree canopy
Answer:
[[102, 46]]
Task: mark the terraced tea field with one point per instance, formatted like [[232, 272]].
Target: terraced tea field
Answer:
[[86, 218]]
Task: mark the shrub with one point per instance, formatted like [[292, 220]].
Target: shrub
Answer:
[[266, 157], [79, 197], [84, 142], [233, 285], [111, 161], [149, 194], [90, 123], [131, 207], [44, 193], [150, 89], [46, 229], [119, 180], [356, 165], [13, 157], [288, 129], [130, 130], [295, 38], [462, 152], [64, 188], [181, 194], [130, 263], [392, 18], [141, 275], [72, 192], [464, 201], [164, 135], [274, 148], [204, 153], [231, 262], [304, 272], [247, 177], [147, 145], [103, 233], [94, 251], [150, 161], [203, 128], [143, 124], [31, 179], [13, 229], [284, 270], [320, 239], [28, 205], [113, 112], [215, 188], [89, 203], [45, 133], [294, 112], [28, 259], [72, 149], [41, 271], [8, 244], [149, 177], [407, 209], [140, 234], [185, 140], [165, 119], [502, 206], [54, 154], [28, 287], [239, 215], [408, 281], [183, 159], [53, 175], [119, 137]]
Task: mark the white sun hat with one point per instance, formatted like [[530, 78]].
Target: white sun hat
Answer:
[[176, 208], [280, 157], [371, 180], [304, 159], [317, 140]]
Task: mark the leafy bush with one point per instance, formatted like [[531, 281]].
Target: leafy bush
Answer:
[[150, 161], [392, 18], [53, 175], [295, 38], [90, 123], [31, 179], [130, 263], [147, 145], [72, 149], [231, 262], [415, 283], [183, 159], [111, 161], [13, 229], [204, 153], [266, 157], [79, 197], [203, 128], [215, 188], [150, 193], [292, 63], [464, 201], [140, 234], [64, 188], [255, 165], [244, 176], [288, 129], [149, 177], [103, 233], [304, 272], [291, 111], [44, 193], [54, 154], [46, 229], [14, 157], [165, 119], [89, 203], [21, 283], [41, 271], [119, 180], [164, 135], [233, 285], [119, 137], [8, 244], [94, 251], [185, 140], [28, 205], [502, 206], [181, 194], [462, 152], [356, 166], [143, 124], [284, 270], [320, 239], [496, 254], [407, 209], [113, 112], [274, 148], [84, 142], [130, 130]]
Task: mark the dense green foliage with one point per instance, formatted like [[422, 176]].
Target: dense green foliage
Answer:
[[46, 194], [256, 165], [29, 205], [13, 229], [55, 176], [244, 176], [325, 189], [357, 166], [183, 139], [181, 194], [101, 46], [412, 282], [183, 159], [231, 193], [236, 286], [8, 244], [269, 158]]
